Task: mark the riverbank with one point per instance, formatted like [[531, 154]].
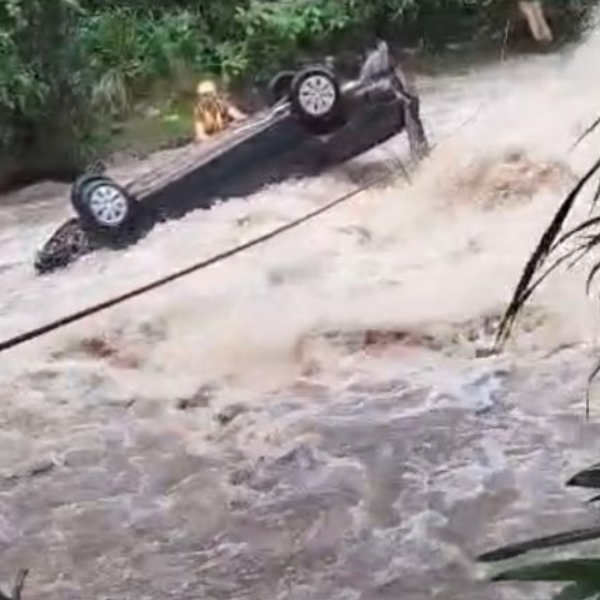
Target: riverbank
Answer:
[[114, 76], [165, 124]]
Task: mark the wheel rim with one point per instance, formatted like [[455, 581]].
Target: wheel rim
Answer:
[[108, 205], [317, 95]]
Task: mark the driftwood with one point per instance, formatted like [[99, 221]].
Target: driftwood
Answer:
[[17, 588]]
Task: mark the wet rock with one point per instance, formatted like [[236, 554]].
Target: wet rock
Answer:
[[229, 413]]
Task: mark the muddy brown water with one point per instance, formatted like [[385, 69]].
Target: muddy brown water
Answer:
[[316, 418]]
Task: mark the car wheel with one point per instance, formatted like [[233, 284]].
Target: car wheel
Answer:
[[104, 206], [280, 87], [316, 97], [84, 180]]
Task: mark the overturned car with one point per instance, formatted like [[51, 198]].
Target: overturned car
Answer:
[[314, 121]]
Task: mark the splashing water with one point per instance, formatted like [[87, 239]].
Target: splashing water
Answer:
[[315, 418]]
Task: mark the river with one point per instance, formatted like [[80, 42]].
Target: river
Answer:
[[315, 419]]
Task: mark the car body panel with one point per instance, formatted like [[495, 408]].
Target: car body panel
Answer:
[[270, 147]]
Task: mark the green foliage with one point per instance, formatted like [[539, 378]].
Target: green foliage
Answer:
[[43, 83], [274, 32], [578, 570], [68, 67]]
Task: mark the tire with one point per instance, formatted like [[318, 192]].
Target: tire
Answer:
[[316, 98], [280, 86], [103, 206], [83, 180]]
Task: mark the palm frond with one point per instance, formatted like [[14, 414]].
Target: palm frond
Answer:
[[544, 248], [576, 570], [578, 591], [588, 478], [541, 543], [591, 378], [595, 198], [589, 130], [527, 291], [591, 276], [578, 230]]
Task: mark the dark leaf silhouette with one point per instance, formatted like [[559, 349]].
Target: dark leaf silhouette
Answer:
[[541, 543], [582, 570], [588, 478], [589, 130], [549, 243], [578, 591]]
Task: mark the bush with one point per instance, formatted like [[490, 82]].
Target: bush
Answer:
[[65, 64], [44, 87]]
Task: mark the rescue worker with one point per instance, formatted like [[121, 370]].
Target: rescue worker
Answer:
[[212, 112]]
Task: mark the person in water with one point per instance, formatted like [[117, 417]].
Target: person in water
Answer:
[[212, 113]]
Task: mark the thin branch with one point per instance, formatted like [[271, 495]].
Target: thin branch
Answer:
[[550, 541], [587, 132], [544, 248]]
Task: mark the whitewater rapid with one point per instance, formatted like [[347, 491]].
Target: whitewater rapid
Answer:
[[315, 418]]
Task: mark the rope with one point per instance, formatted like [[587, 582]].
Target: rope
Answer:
[[158, 283]]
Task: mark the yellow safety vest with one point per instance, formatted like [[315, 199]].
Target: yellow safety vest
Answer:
[[212, 112]]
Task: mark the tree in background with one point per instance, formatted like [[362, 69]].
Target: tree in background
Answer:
[[45, 117], [71, 68]]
